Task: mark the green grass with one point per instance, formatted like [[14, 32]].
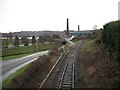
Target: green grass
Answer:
[[18, 50], [87, 57], [88, 45], [67, 46], [16, 56], [8, 80], [12, 53]]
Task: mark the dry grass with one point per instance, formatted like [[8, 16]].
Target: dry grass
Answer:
[[96, 70]]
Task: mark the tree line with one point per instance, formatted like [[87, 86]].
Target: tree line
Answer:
[[24, 40], [41, 39]]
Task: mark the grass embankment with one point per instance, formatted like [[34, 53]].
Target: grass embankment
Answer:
[[16, 56], [97, 71], [67, 46], [9, 80], [12, 53]]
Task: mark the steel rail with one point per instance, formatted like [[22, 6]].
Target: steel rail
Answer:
[[72, 71]]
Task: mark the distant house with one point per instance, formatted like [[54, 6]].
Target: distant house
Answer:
[[6, 35], [36, 33], [29, 34]]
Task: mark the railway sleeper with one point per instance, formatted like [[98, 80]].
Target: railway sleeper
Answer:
[[66, 86], [68, 82]]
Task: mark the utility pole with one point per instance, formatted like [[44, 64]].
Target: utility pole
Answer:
[[37, 43], [49, 41]]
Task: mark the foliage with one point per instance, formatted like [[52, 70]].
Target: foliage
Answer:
[[41, 39], [33, 41], [16, 41], [56, 36], [96, 70], [25, 41], [110, 36], [64, 42]]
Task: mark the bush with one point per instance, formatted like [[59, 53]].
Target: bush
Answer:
[[110, 36]]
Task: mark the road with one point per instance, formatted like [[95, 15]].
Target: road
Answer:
[[11, 66], [69, 40]]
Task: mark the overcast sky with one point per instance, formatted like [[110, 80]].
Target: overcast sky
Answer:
[[37, 15]]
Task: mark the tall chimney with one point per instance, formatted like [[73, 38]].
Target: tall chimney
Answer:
[[78, 28], [67, 26]]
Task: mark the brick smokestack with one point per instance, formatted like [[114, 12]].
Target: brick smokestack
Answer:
[[67, 26], [78, 28]]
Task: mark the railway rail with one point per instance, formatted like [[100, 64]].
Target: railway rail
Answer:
[[66, 78], [65, 75]]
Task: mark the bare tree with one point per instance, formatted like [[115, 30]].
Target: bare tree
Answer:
[[25, 40], [33, 41]]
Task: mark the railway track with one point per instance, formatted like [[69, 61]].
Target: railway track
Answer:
[[65, 71], [66, 78]]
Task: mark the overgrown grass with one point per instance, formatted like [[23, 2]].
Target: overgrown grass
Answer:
[[67, 46], [89, 45], [8, 80], [86, 59], [12, 53], [97, 71]]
